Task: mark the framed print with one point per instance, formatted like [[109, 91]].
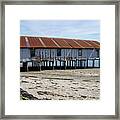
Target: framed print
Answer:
[[60, 60]]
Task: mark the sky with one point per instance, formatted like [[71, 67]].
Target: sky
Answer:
[[77, 29]]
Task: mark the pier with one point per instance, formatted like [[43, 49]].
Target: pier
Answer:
[[43, 53], [38, 64]]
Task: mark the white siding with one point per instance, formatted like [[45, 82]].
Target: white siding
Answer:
[[89, 53], [47, 53], [24, 54], [53, 53]]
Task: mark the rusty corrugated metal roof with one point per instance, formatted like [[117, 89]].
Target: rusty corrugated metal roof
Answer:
[[49, 42], [22, 42], [84, 43], [94, 44], [62, 43], [45, 42], [34, 42], [73, 43]]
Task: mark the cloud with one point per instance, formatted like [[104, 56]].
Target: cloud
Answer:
[[82, 29]]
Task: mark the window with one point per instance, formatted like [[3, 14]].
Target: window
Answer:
[[32, 51], [46, 53], [79, 52], [98, 54], [58, 52]]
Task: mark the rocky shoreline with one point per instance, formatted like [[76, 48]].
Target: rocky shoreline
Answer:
[[24, 95]]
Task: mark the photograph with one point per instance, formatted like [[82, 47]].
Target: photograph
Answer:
[[59, 59]]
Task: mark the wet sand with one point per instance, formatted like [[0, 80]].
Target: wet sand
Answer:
[[77, 84]]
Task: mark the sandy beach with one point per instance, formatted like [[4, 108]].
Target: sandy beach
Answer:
[[77, 84]]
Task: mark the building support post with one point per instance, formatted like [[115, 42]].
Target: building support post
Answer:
[[93, 63], [65, 64], [70, 64], [27, 66], [40, 65], [49, 64], [78, 63], [75, 63], [87, 62], [99, 63], [60, 63], [81, 63], [53, 65], [46, 63], [56, 63]]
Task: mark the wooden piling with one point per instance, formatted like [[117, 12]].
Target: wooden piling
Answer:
[[76, 63], [40, 65], [63, 64], [81, 63], [87, 63], [99, 63], [67, 63], [93, 63], [53, 65], [60, 63]]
